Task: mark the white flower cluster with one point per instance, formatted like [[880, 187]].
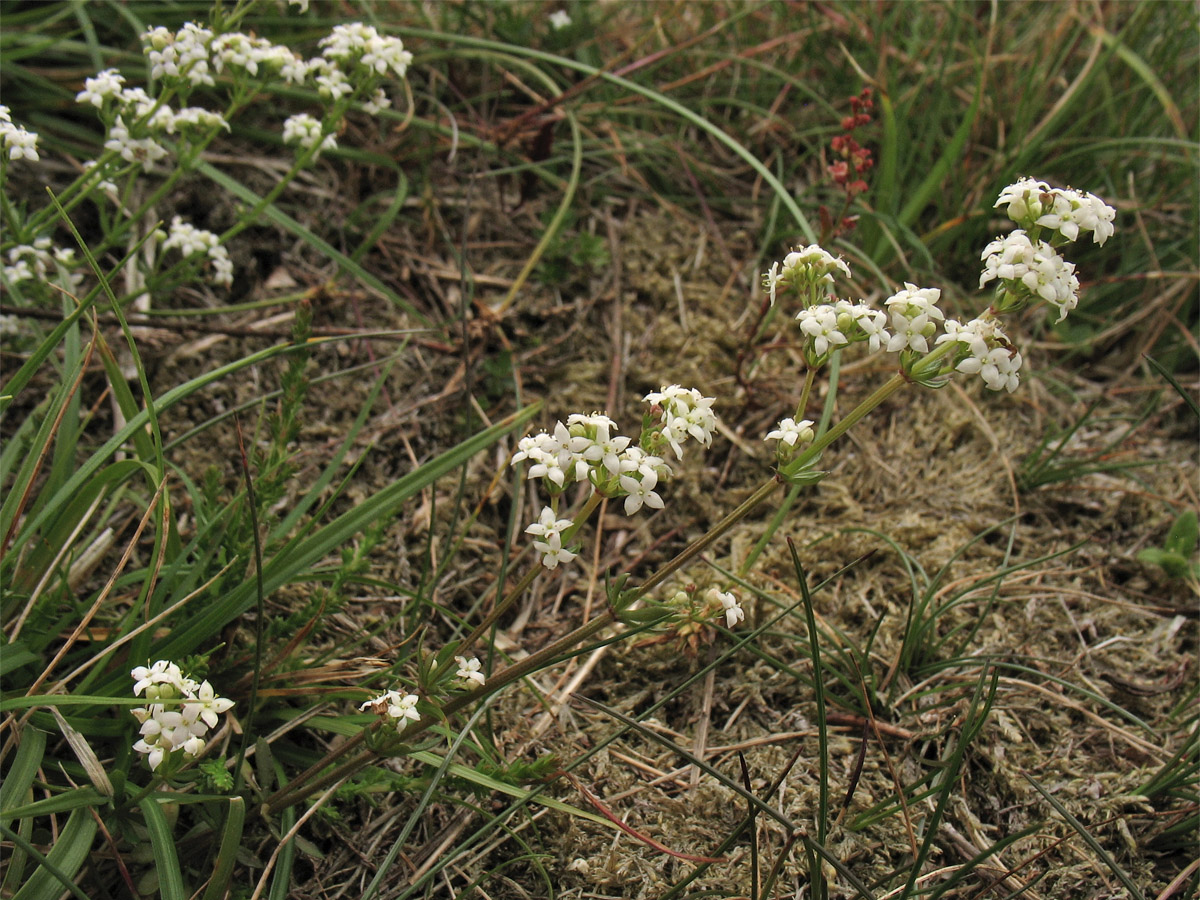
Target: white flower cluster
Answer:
[[806, 270], [103, 87], [303, 130], [190, 241], [401, 708], [27, 262], [136, 121], [1029, 268], [179, 715], [182, 54], [589, 449], [1062, 210], [358, 45], [685, 413], [1035, 270], [15, 140], [986, 351]]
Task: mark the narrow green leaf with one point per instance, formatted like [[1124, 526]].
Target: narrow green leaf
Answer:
[[1174, 382], [56, 869], [231, 839], [1091, 841], [295, 557], [282, 219], [936, 178], [15, 785], [76, 798], [162, 842]]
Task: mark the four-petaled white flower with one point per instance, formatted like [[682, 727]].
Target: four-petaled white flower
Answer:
[[985, 351], [468, 669], [792, 433], [820, 323], [729, 606], [640, 492], [394, 705], [559, 19]]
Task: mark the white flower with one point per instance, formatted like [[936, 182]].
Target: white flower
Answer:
[[986, 351], [914, 314], [19, 143], [812, 265], [207, 705], [792, 433], [1031, 270], [180, 714], [553, 552], [143, 151], [547, 467], [550, 529], [379, 101], [685, 413], [872, 323], [559, 19], [304, 130], [640, 492], [355, 44], [729, 604], [182, 54], [597, 421], [607, 451], [190, 241], [468, 669], [548, 524], [1063, 210], [333, 84], [1025, 199], [1072, 212], [394, 705], [197, 117], [162, 680], [771, 281], [820, 324], [96, 90]]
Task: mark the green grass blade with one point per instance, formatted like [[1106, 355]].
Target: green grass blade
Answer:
[[1174, 382], [21, 771], [1104, 855], [166, 861], [231, 840], [56, 869], [282, 219], [297, 556], [663, 100], [950, 155]]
